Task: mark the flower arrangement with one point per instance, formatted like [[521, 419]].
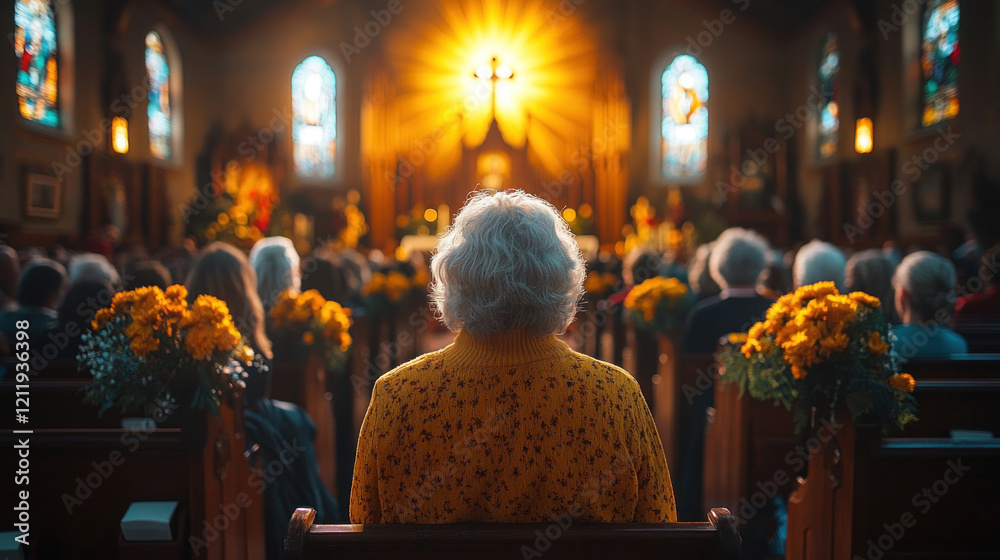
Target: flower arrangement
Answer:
[[387, 288], [599, 285], [819, 349], [150, 351], [659, 304], [319, 325]]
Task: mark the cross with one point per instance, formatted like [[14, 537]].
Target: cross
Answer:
[[494, 72]]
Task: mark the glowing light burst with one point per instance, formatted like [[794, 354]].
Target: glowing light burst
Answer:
[[547, 103]]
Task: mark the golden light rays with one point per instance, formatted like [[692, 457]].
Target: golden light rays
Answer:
[[544, 76]]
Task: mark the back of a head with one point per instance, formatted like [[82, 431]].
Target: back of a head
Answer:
[[927, 281], [818, 261], [41, 282], [699, 275], [82, 301], [640, 265], [147, 274], [870, 272], [91, 267], [324, 276], [223, 272], [10, 269], [738, 257], [276, 264], [508, 263]]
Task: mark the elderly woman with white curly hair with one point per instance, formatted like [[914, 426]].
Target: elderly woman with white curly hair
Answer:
[[508, 424]]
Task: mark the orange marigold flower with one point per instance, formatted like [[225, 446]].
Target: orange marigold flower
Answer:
[[876, 345], [737, 338], [903, 382], [865, 299], [307, 338]]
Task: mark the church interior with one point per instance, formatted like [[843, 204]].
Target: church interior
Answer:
[[326, 149]]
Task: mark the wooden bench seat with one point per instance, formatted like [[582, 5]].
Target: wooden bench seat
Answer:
[[716, 538]]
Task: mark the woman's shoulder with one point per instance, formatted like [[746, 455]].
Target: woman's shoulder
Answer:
[[603, 372]]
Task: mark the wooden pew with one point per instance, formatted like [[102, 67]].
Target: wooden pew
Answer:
[[305, 384], [487, 541], [955, 366], [955, 404], [894, 498], [981, 337], [83, 477]]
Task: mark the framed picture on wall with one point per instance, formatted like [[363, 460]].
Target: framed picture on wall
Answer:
[[930, 195], [43, 196]]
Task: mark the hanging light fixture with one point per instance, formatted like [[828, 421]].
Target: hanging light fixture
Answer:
[[119, 135]]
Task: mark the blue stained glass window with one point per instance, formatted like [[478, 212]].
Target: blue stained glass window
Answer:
[[684, 120], [158, 101], [314, 125], [939, 56], [829, 85], [36, 46]]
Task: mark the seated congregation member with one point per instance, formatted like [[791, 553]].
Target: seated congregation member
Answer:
[[276, 264], [222, 271], [75, 313], [508, 424], [702, 283], [146, 273], [91, 267], [326, 277], [818, 261], [925, 285], [737, 259], [38, 293], [982, 307], [871, 272]]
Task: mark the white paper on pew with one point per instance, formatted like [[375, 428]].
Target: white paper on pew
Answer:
[[148, 521], [971, 434], [9, 548]]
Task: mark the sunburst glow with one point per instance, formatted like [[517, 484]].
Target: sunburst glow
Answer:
[[545, 70]]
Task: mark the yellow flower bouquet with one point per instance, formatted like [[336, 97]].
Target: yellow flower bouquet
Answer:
[[387, 290], [310, 321], [150, 351], [819, 349], [659, 304]]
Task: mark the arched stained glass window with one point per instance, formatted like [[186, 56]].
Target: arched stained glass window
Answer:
[[158, 101], [36, 46], [829, 86], [314, 124], [684, 120], [939, 54]]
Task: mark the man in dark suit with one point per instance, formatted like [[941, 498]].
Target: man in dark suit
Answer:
[[737, 259]]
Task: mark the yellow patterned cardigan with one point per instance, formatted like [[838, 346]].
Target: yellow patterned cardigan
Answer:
[[509, 428]]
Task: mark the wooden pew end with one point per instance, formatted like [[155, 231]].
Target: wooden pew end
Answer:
[[729, 538], [298, 527]]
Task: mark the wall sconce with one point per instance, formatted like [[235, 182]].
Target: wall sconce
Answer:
[[864, 137], [119, 135]]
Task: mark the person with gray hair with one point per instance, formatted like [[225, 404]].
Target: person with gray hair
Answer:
[[925, 296], [507, 277], [818, 261], [737, 259], [871, 272], [276, 264], [92, 267]]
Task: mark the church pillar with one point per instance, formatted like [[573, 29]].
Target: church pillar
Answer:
[[609, 146]]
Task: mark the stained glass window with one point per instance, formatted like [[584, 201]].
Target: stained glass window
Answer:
[[939, 61], [158, 102], [36, 47], [684, 120], [829, 85], [314, 125]]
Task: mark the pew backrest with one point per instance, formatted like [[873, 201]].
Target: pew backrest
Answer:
[[955, 366], [716, 538]]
